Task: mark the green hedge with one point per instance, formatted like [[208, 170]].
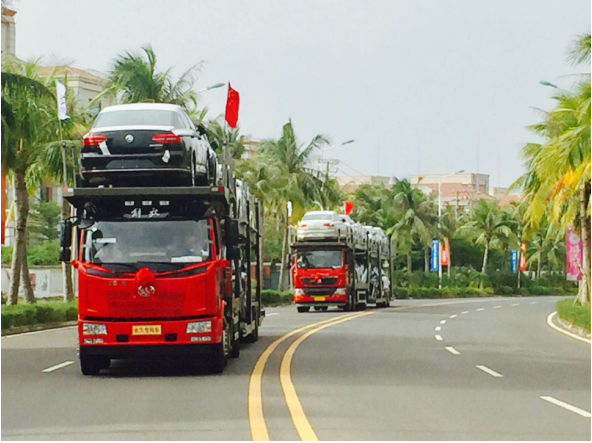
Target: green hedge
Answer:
[[574, 313], [39, 313], [270, 297], [42, 254], [447, 292]]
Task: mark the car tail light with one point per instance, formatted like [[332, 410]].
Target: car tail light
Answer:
[[93, 139], [166, 138], [302, 225], [328, 224]]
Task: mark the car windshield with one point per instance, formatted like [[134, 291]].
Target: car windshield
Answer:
[[137, 242], [138, 117], [317, 216], [319, 259]]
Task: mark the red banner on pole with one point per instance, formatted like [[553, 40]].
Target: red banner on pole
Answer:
[[445, 249], [232, 104], [522, 260], [348, 207], [574, 253]]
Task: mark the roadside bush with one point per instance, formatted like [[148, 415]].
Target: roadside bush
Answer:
[[42, 254], [574, 313], [445, 292], [39, 313], [270, 297]]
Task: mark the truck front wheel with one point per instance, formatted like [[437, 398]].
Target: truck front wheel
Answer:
[[303, 308], [92, 364]]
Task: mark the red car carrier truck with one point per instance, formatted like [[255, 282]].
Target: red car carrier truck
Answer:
[[165, 271], [345, 272]]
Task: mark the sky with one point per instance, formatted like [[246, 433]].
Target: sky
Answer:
[[422, 86]]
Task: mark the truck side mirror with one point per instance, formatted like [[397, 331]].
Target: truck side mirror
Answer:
[[65, 240], [232, 252], [232, 232]]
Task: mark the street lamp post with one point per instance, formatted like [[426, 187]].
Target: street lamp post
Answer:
[[214, 86], [440, 223], [347, 142]]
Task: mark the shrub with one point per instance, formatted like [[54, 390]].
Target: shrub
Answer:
[[270, 297], [6, 255], [39, 313], [574, 312], [44, 254]]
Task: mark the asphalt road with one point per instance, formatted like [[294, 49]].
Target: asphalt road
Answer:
[[472, 369]]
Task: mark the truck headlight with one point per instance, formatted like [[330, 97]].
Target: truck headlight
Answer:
[[298, 292], [94, 329], [199, 326], [340, 291]]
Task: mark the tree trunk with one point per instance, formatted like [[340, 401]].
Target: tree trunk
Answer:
[[283, 263], [584, 296], [426, 259], [20, 237], [539, 262], [409, 262], [26, 286], [66, 267], [485, 257]]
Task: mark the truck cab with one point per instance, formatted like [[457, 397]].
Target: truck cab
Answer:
[[160, 273], [321, 276]]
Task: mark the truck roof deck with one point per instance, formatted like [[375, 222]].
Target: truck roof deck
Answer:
[[113, 203]]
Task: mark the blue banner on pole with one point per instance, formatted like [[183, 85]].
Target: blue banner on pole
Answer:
[[435, 256], [513, 260]]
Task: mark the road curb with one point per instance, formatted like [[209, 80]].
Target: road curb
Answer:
[[568, 328], [34, 328]]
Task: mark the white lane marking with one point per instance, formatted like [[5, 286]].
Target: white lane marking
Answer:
[[515, 304], [438, 337], [489, 371], [442, 322], [453, 316], [481, 309], [567, 406], [438, 328], [496, 307], [38, 332], [464, 312], [533, 302], [56, 367], [563, 331], [551, 301], [452, 350], [272, 313]]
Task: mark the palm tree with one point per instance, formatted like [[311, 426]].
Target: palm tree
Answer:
[[135, 78], [545, 246], [557, 181], [29, 122], [490, 227], [219, 135], [280, 172], [418, 216]]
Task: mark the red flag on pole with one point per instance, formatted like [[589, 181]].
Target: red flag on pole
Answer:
[[232, 107], [348, 207]]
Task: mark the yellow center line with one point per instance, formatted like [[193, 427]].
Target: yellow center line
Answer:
[[301, 423], [255, 403]]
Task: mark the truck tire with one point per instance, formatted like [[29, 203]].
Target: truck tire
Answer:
[[361, 307], [218, 359], [235, 346], [303, 308], [92, 364], [253, 337]]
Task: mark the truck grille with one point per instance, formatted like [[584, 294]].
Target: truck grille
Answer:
[[312, 292], [322, 281]]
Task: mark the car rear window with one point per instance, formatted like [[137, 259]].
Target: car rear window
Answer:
[[143, 117], [318, 217]]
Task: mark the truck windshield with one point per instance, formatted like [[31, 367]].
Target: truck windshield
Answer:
[[138, 242], [319, 259]]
